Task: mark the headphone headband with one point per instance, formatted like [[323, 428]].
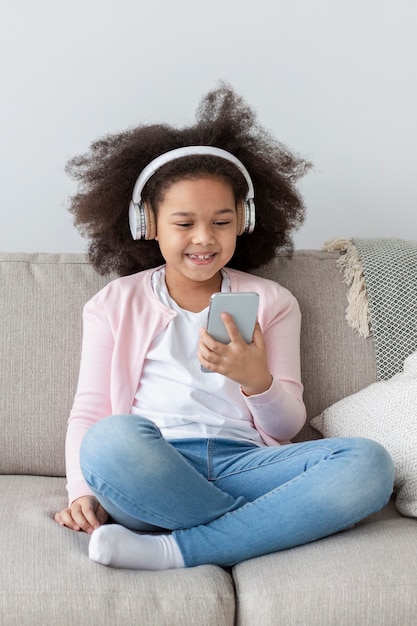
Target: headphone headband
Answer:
[[161, 160], [136, 218]]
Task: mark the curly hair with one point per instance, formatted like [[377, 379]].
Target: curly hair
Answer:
[[108, 172]]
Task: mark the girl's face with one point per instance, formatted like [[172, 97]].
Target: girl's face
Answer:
[[196, 227]]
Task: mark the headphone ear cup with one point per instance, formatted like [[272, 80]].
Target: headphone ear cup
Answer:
[[142, 221], [149, 221], [245, 217], [240, 214], [249, 216]]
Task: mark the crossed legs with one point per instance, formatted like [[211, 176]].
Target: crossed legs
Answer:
[[222, 501]]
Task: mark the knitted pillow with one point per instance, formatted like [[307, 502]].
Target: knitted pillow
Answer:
[[386, 411]]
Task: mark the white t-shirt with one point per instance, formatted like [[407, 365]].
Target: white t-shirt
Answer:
[[176, 395]]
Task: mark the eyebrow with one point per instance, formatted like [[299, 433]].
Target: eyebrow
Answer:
[[190, 213]]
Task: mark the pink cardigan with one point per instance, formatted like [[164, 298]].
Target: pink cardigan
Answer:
[[119, 324]]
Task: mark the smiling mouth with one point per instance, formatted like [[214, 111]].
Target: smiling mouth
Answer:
[[201, 257]]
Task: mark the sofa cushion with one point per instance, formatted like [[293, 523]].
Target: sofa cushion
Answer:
[[385, 411], [47, 578], [366, 575], [40, 339]]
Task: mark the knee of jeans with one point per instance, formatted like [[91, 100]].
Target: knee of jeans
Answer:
[[115, 436], [376, 468]]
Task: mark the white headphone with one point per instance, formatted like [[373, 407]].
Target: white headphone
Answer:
[[141, 217]]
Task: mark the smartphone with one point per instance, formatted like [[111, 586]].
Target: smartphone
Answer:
[[243, 307]]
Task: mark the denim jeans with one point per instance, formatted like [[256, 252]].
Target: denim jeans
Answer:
[[226, 501]]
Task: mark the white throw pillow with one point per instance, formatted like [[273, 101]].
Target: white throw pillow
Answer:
[[386, 411]]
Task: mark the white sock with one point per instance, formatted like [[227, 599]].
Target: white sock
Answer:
[[117, 546]]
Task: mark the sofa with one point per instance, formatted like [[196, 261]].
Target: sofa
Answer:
[[364, 576]]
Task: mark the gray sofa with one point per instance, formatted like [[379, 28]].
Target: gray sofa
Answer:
[[364, 576]]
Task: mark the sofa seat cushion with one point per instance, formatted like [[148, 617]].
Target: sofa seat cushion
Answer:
[[365, 575], [47, 578]]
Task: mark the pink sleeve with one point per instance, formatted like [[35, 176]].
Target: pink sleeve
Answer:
[[279, 413], [92, 399]]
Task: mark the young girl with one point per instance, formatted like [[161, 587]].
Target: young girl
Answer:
[[200, 463]]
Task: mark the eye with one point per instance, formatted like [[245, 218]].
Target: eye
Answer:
[[222, 222]]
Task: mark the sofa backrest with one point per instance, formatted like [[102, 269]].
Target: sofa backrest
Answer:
[[41, 300]]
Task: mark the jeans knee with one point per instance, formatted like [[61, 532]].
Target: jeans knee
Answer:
[[116, 436], [375, 468]]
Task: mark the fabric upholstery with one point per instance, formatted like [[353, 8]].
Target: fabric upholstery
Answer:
[[47, 578], [40, 314], [364, 576]]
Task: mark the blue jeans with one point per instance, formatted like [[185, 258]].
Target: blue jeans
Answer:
[[226, 501]]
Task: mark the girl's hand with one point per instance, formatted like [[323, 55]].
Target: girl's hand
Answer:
[[244, 363], [85, 513]]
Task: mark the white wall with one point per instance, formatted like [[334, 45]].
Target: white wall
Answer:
[[336, 81]]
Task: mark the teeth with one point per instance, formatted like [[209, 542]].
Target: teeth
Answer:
[[201, 257]]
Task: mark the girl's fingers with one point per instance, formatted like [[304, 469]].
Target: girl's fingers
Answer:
[[231, 327], [83, 514]]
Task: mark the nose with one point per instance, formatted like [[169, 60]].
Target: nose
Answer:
[[203, 235]]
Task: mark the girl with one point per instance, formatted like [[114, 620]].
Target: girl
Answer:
[[199, 463]]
